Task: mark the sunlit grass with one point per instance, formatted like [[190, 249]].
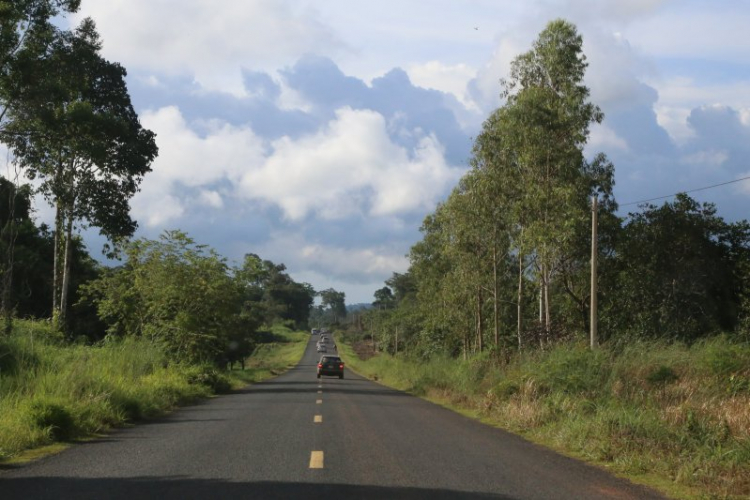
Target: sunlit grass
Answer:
[[50, 392], [669, 415], [271, 359]]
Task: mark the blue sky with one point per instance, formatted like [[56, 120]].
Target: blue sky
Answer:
[[320, 133]]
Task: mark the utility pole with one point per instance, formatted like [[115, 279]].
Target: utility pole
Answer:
[[594, 252]]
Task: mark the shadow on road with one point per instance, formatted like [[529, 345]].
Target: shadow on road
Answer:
[[42, 488]]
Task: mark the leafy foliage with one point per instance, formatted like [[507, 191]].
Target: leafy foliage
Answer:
[[183, 296], [71, 125], [504, 263], [680, 271]]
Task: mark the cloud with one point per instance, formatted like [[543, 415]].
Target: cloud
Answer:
[[282, 158], [603, 138], [350, 167], [320, 82], [339, 262], [267, 145], [720, 126], [451, 79], [484, 89], [613, 11], [187, 159], [211, 199], [205, 40], [696, 30]]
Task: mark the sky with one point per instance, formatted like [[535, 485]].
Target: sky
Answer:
[[319, 134]]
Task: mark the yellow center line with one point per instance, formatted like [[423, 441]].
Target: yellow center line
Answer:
[[316, 459], [319, 402], [318, 419]]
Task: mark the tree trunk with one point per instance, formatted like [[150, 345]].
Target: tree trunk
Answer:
[[9, 234], [58, 239], [495, 297], [467, 340], [9, 238], [66, 270], [480, 343], [520, 299], [55, 251], [547, 317], [541, 305]]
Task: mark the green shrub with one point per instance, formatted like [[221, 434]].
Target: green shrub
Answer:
[[209, 376], [53, 418], [129, 407], [724, 358], [571, 370]]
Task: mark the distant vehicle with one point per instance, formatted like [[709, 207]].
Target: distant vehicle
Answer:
[[323, 340], [331, 365], [315, 331], [322, 348]]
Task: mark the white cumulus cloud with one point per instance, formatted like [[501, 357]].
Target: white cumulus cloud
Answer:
[[187, 159], [350, 167], [446, 78], [208, 40], [347, 263]]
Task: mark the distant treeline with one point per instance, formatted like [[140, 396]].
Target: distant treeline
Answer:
[[503, 263]]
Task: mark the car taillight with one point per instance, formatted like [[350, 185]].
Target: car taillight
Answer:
[[320, 365], [341, 366]]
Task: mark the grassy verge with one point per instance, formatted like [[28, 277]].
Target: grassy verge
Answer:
[[273, 358], [670, 416], [52, 393]]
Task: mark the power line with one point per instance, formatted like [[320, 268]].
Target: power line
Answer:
[[690, 191]]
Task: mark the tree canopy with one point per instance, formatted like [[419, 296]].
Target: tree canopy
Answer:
[[503, 263]]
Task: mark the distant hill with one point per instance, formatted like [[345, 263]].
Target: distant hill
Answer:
[[350, 308]]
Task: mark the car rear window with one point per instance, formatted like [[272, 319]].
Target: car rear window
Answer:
[[330, 359]]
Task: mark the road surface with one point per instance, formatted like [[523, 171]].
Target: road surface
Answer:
[[299, 437]]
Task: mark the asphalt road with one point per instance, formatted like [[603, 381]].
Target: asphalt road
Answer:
[[299, 437]]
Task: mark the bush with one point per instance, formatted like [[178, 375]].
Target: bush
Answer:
[[725, 358], [572, 370], [210, 377], [53, 418]]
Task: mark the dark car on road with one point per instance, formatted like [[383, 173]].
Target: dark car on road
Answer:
[[331, 365]]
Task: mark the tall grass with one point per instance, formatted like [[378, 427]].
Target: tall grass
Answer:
[[52, 392], [272, 358], [666, 414]]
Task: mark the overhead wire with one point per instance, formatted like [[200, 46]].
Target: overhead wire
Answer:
[[689, 191]]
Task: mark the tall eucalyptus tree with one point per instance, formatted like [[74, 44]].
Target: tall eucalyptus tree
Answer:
[[548, 118], [76, 131]]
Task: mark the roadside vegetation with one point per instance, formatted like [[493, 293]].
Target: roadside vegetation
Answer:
[[673, 416], [84, 347], [493, 314], [52, 391], [280, 350]]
